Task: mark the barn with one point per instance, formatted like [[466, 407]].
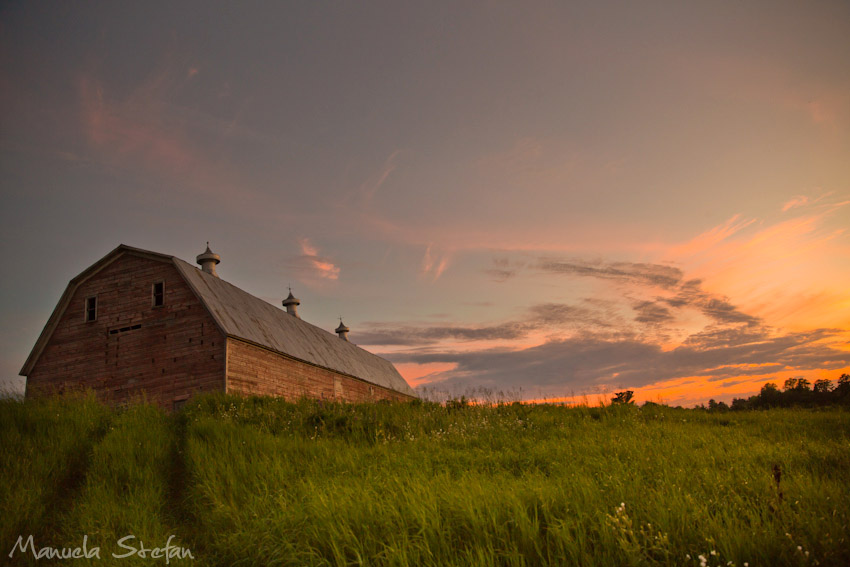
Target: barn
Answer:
[[143, 322]]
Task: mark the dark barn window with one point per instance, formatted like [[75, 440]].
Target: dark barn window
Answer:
[[91, 308], [158, 294]]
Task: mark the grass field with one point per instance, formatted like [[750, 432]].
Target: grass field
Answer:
[[262, 482]]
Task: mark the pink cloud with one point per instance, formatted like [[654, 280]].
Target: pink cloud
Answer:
[[434, 263], [321, 267]]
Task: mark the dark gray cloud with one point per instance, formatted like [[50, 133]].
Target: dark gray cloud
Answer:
[[564, 316], [719, 337], [686, 293], [625, 272], [424, 335], [504, 269], [722, 311], [551, 316], [652, 313], [584, 362]]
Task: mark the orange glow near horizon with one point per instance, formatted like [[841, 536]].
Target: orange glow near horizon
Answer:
[[418, 374], [693, 390]]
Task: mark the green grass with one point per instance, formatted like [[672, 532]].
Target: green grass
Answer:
[[251, 481]]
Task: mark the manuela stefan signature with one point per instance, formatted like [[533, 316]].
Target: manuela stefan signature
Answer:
[[129, 544]]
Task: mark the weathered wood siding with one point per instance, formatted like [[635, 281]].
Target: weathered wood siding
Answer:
[[177, 350], [253, 370]]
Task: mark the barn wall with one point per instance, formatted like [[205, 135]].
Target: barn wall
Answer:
[[178, 350], [253, 370]]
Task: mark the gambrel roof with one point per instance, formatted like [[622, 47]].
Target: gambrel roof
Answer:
[[240, 315]]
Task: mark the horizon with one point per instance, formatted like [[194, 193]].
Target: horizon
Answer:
[[557, 200]]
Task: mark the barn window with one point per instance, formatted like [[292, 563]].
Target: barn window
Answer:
[[91, 308], [158, 294], [179, 401]]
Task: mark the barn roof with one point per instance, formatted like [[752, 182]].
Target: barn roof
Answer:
[[240, 315]]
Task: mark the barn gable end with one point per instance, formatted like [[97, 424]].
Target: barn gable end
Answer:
[[168, 351]]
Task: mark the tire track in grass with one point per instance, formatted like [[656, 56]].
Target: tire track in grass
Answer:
[[177, 509], [47, 448], [123, 506]]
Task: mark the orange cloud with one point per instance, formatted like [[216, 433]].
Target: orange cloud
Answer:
[[791, 273], [419, 374], [711, 237], [321, 267], [798, 201]]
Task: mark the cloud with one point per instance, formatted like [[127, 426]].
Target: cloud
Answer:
[[798, 201], [547, 317], [434, 263], [652, 313], [370, 187], [623, 272], [411, 335], [581, 363], [310, 265], [504, 269], [711, 237]]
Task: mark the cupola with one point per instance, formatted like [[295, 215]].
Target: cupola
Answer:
[[291, 304], [342, 330], [208, 261]]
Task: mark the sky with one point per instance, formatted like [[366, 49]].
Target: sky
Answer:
[[533, 200]]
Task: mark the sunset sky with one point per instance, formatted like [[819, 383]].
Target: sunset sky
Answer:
[[547, 199]]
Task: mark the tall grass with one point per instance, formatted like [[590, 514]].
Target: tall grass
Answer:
[[248, 481], [44, 455]]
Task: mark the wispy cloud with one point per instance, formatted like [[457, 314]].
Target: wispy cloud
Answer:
[[434, 263], [798, 201], [311, 265], [711, 237], [371, 186], [624, 272]]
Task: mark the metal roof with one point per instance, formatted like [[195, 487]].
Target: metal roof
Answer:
[[241, 315]]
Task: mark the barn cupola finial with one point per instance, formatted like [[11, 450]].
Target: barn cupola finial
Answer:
[[291, 304], [208, 260], [342, 330]]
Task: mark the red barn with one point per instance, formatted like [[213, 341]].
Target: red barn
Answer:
[[139, 321]]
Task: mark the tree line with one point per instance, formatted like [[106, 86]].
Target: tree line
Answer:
[[798, 392]]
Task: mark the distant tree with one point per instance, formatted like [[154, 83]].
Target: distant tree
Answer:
[[742, 403], [623, 397], [841, 394], [790, 384], [823, 386], [717, 406], [770, 396]]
